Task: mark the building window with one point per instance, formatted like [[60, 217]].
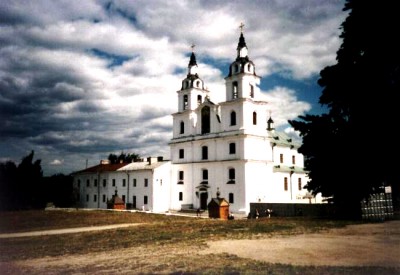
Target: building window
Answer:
[[182, 127], [199, 98], [293, 159], [204, 152], [231, 198], [181, 153], [87, 183], [254, 118], [146, 182], [251, 91], [205, 174], [145, 200], [95, 182], [123, 182], [123, 198], [205, 120], [94, 198], [180, 177], [249, 68], [104, 182], [232, 148], [113, 182], [79, 183], [233, 118], [231, 175], [134, 201], [236, 68], [185, 102], [134, 182], [281, 158], [104, 198], [285, 184], [234, 90], [87, 197], [299, 183], [180, 196]]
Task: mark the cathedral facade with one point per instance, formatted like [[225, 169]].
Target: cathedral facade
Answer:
[[230, 147]]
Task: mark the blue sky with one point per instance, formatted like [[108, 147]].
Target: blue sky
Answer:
[[82, 79]]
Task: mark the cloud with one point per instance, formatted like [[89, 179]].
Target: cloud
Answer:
[[57, 162], [81, 80]]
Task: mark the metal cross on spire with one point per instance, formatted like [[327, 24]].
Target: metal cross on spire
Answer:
[[241, 27], [192, 46]]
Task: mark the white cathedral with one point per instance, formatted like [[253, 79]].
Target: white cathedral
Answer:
[[230, 147]]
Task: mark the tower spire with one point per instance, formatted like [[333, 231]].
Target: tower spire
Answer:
[[192, 61], [242, 47]]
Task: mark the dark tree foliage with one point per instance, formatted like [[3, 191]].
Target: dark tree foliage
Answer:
[[21, 186], [124, 158], [59, 190], [349, 150]]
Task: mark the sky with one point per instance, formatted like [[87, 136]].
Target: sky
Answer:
[[82, 79]]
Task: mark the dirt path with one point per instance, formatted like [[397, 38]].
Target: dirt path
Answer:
[[355, 245], [66, 230]]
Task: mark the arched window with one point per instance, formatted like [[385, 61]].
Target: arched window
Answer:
[[185, 102], [205, 120], [235, 92], [254, 118], [197, 84], [249, 68], [205, 174], [236, 68], [231, 175], [285, 184], [204, 152], [251, 91], [182, 127], [199, 99], [232, 148], [233, 118]]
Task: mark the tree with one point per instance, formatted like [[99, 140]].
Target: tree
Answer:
[[348, 151], [22, 186], [124, 158]]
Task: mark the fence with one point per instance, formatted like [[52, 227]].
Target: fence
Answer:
[[378, 208]]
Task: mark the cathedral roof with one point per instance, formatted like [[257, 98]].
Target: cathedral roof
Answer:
[[282, 139]]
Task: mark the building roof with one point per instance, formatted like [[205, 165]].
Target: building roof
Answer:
[[102, 168], [141, 166], [218, 202], [282, 139], [288, 169]]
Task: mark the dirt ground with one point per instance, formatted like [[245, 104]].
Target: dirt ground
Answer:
[[356, 245]]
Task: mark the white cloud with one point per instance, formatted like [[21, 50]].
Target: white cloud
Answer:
[[60, 97], [57, 162]]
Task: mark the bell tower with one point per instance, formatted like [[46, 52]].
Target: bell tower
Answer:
[[193, 91], [242, 81]]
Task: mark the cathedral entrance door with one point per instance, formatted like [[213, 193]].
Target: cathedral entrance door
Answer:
[[203, 200]]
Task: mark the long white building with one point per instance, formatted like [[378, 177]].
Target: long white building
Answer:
[[230, 146]]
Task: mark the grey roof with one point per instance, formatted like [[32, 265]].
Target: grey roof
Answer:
[[141, 166], [288, 169], [282, 139]]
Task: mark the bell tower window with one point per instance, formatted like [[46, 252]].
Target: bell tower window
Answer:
[[234, 90], [251, 91], [199, 99], [185, 102], [182, 128]]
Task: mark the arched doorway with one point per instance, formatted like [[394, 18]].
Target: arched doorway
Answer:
[[203, 200]]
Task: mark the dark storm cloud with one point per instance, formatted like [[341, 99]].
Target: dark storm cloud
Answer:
[[82, 79]]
